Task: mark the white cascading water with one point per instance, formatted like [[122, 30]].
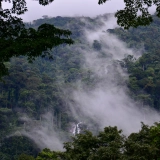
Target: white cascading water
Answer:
[[77, 129]]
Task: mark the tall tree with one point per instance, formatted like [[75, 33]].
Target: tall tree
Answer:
[[136, 12], [110, 145], [17, 40]]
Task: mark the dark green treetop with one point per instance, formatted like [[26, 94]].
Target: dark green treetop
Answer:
[[17, 40], [130, 17], [110, 145]]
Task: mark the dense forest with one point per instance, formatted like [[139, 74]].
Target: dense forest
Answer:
[[108, 144], [33, 89]]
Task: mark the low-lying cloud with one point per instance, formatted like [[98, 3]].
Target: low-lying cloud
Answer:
[[43, 132], [107, 102]]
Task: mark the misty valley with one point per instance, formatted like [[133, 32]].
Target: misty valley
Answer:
[[97, 99]]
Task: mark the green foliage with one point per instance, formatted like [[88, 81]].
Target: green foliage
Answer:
[[110, 144], [136, 13], [142, 145], [16, 40], [25, 157], [16, 147], [96, 45], [36, 88], [144, 72], [106, 145], [46, 154], [144, 79]]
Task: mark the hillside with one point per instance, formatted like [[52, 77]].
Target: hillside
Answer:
[[41, 95]]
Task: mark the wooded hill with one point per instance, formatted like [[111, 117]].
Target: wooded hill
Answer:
[[35, 88]]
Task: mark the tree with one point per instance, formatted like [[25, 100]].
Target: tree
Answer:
[[110, 145], [106, 145], [144, 144], [18, 147], [17, 40], [96, 45], [128, 17], [47, 154], [25, 157]]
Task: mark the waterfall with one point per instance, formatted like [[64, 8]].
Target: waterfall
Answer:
[[77, 129]]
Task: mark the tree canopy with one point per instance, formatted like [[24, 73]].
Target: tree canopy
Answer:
[[34, 88], [136, 13], [16, 39], [110, 144]]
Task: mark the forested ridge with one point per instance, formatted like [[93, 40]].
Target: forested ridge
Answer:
[[144, 79], [35, 88]]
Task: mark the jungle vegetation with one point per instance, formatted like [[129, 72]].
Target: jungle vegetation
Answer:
[[33, 88]]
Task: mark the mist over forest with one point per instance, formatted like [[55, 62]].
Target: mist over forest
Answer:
[[108, 77]]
